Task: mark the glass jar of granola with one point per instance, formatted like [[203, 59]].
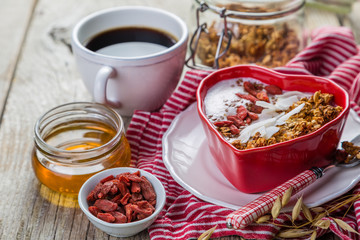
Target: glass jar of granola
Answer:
[[231, 32]]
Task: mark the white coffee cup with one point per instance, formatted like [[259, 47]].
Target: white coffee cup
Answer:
[[130, 83]]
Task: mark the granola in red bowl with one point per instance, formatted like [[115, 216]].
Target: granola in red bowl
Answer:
[[265, 127]]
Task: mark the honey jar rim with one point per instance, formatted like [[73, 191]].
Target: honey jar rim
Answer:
[[41, 143]]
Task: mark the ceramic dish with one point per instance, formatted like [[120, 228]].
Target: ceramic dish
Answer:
[[122, 229], [262, 168], [186, 156]]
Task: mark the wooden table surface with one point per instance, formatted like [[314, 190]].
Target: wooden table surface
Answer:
[[38, 72]]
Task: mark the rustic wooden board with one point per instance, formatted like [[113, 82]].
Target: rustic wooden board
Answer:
[[353, 20], [45, 77], [14, 18], [318, 18]]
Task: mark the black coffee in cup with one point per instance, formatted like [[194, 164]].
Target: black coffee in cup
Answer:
[[130, 42], [117, 70]]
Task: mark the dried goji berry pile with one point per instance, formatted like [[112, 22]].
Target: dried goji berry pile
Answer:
[[125, 198], [244, 116]]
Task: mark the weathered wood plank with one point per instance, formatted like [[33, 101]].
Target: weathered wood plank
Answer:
[[352, 20], [14, 18], [316, 18]]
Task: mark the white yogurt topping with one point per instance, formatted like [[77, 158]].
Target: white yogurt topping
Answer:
[[221, 101]]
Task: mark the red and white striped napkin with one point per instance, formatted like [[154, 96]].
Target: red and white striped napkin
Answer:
[[333, 53]]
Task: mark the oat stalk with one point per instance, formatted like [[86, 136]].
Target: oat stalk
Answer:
[[275, 210], [313, 217], [263, 219], [345, 226], [296, 210], [294, 233], [207, 234], [287, 196], [313, 236], [306, 212]]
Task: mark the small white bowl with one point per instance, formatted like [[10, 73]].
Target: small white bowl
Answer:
[[121, 229]]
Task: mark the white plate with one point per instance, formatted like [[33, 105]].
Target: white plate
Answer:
[[188, 159]]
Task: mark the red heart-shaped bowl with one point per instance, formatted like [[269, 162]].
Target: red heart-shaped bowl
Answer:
[[260, 169]]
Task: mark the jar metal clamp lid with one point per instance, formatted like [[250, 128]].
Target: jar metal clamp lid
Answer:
[[226, 35], [203, 28]]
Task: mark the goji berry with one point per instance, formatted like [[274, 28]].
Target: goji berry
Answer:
[[119, 217], [116, 199], [222, 123], [147, 189], [123, 188], [108, 178], [93, 195], [145, 204], [234, 130], [262, 96], [128, 212], [247, 97], [105, 188], [273, 89], [250, 88], [135, 187], [254, 108], [107, 217], [237, 121], [124, 200], [105, 205], [136, 208], [253, 116], [133, 178], [114, 189], [94, 210], [136, 197], [241, 112], [123, 179]]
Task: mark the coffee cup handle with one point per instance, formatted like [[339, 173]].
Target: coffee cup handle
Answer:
[[100, 85]]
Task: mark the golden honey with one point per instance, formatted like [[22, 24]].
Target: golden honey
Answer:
[[75, 141]]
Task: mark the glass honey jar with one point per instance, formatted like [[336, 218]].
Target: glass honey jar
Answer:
[[76, 140], [267, 33]]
